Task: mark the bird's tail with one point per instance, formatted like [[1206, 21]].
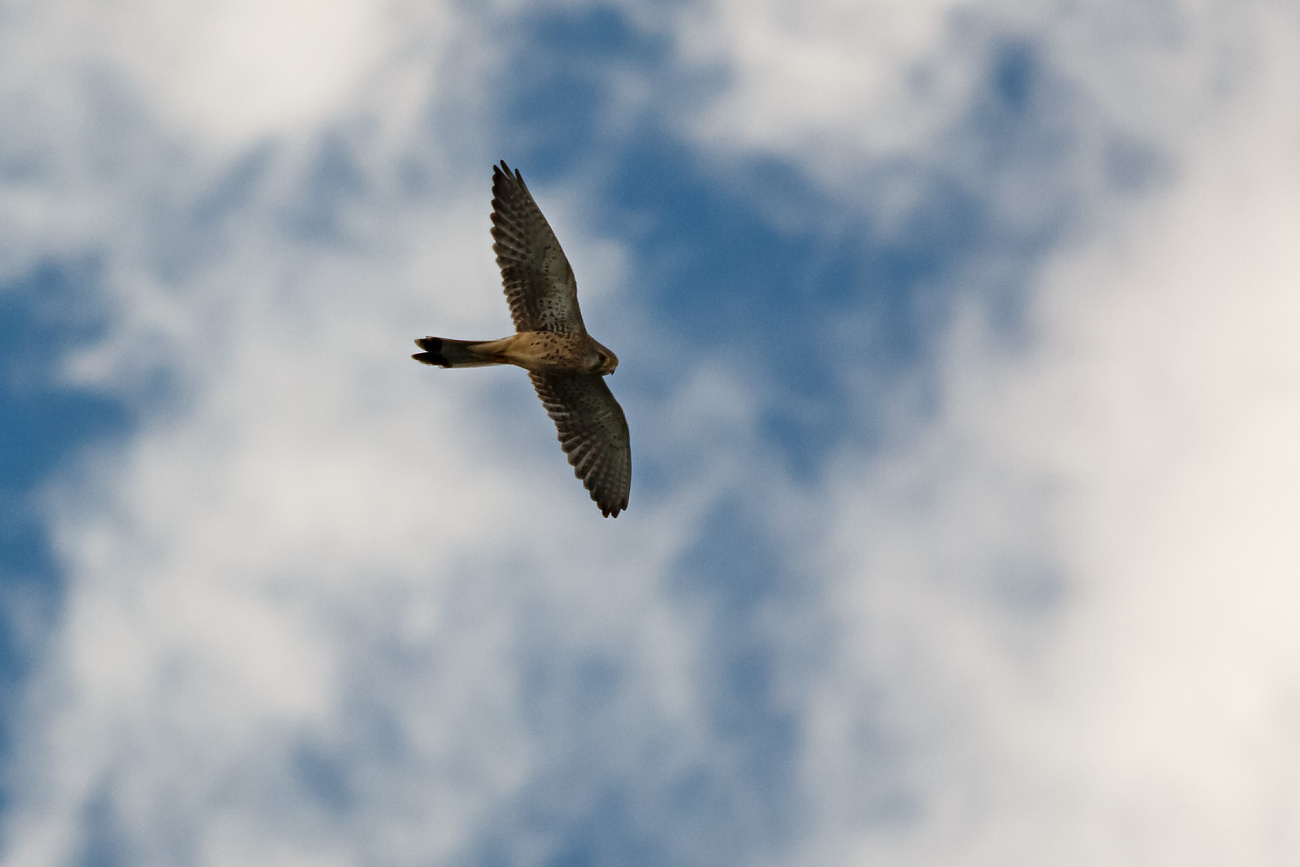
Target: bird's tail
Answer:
[[445, 352]]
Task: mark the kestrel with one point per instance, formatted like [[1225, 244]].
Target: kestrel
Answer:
[[565, 363]]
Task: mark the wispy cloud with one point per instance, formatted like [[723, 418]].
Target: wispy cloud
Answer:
[[968, 545], [1067, 576]]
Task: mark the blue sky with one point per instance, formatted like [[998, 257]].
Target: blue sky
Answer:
[[957, 344]]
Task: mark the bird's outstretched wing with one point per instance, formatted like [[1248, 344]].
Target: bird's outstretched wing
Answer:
[[593, 432], [538, 280]]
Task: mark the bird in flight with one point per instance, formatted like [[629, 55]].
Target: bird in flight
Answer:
[[567, 366]]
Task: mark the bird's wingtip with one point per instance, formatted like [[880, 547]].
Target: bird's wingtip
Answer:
[[612, 511], [501, 169]]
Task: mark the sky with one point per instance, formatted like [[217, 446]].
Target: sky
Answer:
[[958, 346]]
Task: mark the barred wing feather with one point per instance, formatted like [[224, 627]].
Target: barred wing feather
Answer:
[[593, 432], [538, 280]]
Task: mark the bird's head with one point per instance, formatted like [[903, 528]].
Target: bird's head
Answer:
[[602, 360]]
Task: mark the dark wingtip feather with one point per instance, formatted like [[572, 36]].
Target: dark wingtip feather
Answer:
[[501, 171], [609, 510]]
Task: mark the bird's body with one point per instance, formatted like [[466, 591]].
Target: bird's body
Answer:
[[538, 351], [565, 363]]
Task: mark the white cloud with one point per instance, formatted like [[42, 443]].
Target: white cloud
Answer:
[[305, 599], [221, 74], [1135, 463], [318, 547]]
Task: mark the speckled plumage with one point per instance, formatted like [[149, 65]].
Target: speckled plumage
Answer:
[[565, 363]]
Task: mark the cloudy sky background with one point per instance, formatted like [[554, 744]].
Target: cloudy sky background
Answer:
[[959, 346]]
